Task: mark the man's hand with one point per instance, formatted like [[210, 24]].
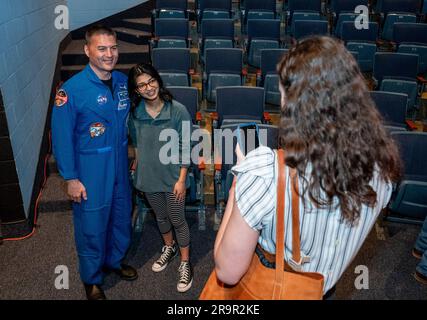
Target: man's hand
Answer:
[[76, 190]]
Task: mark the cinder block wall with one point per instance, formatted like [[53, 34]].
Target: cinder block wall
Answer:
[[84, 12], [28, 53]]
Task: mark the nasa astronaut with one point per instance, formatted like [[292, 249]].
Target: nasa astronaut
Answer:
[[89, 135]]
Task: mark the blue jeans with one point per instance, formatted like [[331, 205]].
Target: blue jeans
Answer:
[[421, 245]]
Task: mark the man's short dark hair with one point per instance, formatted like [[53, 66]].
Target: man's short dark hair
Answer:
[[97, 30]]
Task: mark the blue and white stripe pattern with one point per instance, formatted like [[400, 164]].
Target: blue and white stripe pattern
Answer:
[[329, 242]]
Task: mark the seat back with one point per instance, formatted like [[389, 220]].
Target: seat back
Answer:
[[188, 96], [410, 88], [262, 34], [255, 9], [343, 17], [415, 33], [264, 29], [420, 51], [413, 151], [239, 102], [217, 33], [410, 198], [215, 5], [304, 28], [171, 8], [365, 54], [223, 68], [172, 28], [395, 65], [264, 5], [173, 65], [301, 15], [271, 87], [171, 60], [304, 5], [269, 60], [224, 61], [350, 33], [408, 6], [393, 18], [338, 6], [392, 107], [217, 29]]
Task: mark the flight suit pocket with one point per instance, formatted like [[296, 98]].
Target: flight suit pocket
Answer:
[[97, 174]]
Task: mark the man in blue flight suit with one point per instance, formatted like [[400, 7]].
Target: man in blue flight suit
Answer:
[[89, 134]]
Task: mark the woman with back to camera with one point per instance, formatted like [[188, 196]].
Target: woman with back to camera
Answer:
[[345, 161], [164, 185]]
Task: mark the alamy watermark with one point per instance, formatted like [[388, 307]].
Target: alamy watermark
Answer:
[[62, 281], [362, 20], [362, 280], [62, 21], [189, 146]]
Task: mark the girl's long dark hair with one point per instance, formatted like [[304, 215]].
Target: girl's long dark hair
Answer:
[[134, 73], [329, 121]]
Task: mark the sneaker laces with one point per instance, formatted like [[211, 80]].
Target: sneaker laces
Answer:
[[167, 253], [184, 272]]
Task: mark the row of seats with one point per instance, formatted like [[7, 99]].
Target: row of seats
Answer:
[[243, 106], [222, 61], [239, 106], [222, 67], [386, 11], [271, 8], [265, 34], [392, 71]]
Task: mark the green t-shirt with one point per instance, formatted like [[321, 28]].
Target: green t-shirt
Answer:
[[160, 156]]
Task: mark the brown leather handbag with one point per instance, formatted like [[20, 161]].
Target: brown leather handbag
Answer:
[[282, 282]]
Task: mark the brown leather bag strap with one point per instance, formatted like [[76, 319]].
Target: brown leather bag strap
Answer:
[[296, 242], [280, 225]]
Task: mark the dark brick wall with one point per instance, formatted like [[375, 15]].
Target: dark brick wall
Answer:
[[11, 204]]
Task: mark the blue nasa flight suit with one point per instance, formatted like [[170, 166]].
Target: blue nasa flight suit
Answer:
[[89, 134]]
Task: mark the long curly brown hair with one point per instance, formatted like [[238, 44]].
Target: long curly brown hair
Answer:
[[330, 124]]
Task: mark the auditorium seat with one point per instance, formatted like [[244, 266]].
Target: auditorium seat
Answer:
[[397, 72], [409, 200], [216, 33], [267, 76], [173, 65], [362, 41], [255, 9], [171, 33], [262, 34], [189, 97], [224, 67]]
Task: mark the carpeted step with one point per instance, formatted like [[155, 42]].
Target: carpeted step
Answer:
[[133, 35], [141, 24]]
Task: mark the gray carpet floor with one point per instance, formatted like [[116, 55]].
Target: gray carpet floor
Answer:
[[27, 268]]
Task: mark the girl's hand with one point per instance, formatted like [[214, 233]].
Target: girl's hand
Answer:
[[179, 190]]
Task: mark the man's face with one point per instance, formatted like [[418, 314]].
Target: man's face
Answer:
[[102, 52]]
